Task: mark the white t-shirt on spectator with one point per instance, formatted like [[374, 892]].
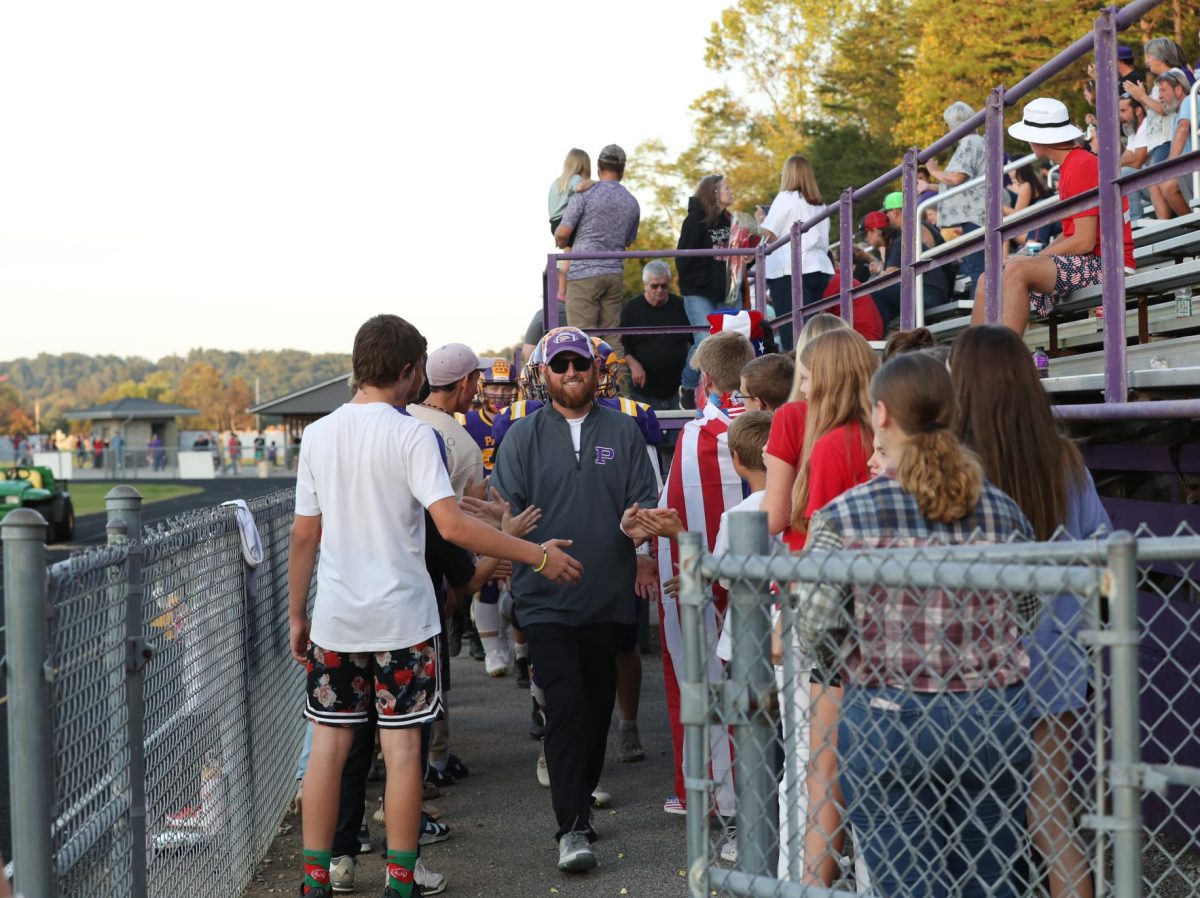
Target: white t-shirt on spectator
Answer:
[[1138, 140], [785, 209], [753, 502], [463, 455], [370, 471]]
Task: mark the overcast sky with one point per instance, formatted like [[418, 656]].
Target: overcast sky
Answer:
[[245, 175]]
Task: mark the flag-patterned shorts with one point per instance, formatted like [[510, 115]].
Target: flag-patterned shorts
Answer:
[[1074, 273]]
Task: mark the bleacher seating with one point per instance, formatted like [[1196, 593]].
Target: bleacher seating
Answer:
[[1168, 257]]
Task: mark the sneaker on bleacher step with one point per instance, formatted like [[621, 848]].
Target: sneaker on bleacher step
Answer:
[[341, 873]]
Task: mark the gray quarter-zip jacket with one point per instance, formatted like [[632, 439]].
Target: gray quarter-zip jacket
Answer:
[[581, 500]]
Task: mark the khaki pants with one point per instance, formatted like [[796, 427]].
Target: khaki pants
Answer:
[[595, 303]]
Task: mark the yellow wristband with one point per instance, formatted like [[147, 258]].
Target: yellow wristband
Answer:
[[545, 558]]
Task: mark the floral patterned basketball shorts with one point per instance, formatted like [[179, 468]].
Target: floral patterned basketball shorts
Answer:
[[405, 686], [1074, 273]]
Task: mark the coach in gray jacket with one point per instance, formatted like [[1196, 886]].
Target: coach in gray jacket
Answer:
[[586, 467]]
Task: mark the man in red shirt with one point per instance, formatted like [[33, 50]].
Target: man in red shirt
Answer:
[[1072, 260]]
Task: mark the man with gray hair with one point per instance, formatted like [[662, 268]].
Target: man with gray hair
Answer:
[[967, 210], [604, 218], [656, 360]]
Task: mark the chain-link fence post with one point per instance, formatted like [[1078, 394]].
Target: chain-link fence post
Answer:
[[693, 711], [1126, 743], [30, 749], [124, 506], [753, 691]]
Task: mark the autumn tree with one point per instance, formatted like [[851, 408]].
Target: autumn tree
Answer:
[[15, 419]]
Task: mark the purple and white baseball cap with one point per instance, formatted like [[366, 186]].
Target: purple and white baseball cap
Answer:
[[567, 339], [452, 362]]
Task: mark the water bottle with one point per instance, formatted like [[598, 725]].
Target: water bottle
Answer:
[[1183, 303], [1033, 247], [1041, 361]]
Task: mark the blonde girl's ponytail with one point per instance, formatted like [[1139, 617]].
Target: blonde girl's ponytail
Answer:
[[936, 469]]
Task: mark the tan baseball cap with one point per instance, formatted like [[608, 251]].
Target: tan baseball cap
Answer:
[[452, 362]]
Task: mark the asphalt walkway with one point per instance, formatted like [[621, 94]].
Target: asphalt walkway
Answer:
[[502, 826]]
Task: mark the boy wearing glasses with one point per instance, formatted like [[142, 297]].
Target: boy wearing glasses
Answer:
[[586, 467]]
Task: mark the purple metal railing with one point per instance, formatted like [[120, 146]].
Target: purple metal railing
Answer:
[[1113, 188]]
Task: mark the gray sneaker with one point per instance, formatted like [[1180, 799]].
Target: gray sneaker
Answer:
[[574, 853], [629, 745], [341, 873]]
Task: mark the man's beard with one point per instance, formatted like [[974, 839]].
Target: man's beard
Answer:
[[573, 395], [1128, 129]]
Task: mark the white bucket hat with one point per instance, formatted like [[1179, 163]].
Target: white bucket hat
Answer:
[[1044, 120]]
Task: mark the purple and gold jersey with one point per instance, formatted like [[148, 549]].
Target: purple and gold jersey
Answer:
[[646, 420], [479, 423]]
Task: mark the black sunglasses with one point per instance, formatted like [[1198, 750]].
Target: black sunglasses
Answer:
[[560, 363], [657, 286]]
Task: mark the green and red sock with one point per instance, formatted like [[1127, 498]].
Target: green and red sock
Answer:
[[400, 867], [316, 869]]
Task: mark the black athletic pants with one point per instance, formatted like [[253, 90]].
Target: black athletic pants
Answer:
[[353, 795], [576, 667]]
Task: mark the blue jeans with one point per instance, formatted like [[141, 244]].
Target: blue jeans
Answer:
[[698, 309], [972, 265], [935, 784]]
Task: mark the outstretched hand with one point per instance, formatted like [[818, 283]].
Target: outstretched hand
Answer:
[[490, 512], [560, 567], [645, 584], [631, 524], [660, 522], [520, 524]]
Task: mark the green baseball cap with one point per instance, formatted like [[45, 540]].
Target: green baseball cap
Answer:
[[894, 200]]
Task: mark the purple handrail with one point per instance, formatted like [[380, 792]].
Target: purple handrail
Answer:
[[1102, 41]]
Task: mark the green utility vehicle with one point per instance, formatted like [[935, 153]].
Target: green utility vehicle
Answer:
[[36, 488]]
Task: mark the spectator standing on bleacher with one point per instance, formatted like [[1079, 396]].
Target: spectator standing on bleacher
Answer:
[[1071, 261], [799, 199], [604, 219], [965, 211], [656, 360], [1175, 193], [703, 280]]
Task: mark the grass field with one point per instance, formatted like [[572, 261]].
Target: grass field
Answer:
[[88, 498]]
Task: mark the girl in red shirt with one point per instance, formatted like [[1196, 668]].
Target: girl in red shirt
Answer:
[[837, 445]]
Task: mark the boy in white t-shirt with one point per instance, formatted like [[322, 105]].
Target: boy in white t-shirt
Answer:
[[365, 476]]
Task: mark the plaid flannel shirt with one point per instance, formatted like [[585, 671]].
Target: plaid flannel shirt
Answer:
[[926, 640]]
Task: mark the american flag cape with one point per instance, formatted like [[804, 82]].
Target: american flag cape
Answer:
[[700, 486]]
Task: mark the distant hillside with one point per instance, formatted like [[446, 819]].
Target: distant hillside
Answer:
[[221, 384]]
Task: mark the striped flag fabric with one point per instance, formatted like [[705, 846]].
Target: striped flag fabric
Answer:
[[700, 486]]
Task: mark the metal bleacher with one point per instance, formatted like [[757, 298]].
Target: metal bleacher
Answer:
[[1168, 259]]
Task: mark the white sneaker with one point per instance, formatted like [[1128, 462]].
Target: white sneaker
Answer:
[[543, 772], [495, 663], [341, 873], [601, 797], [431, 883], [298, 801], [729, 851], [379, 816]]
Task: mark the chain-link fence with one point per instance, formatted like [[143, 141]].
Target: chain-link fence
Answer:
[[1013, 719], [168, 757]]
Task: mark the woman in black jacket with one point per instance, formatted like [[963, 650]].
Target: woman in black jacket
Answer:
[[703, 279]]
